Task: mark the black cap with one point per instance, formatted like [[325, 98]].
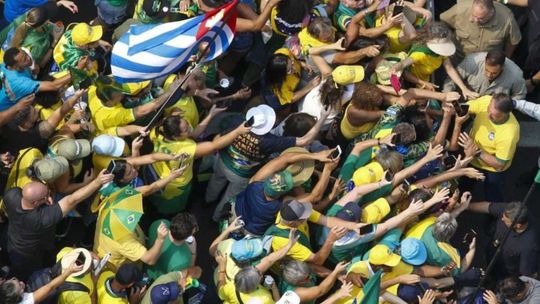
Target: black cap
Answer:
[[351, 212], [128, 274]]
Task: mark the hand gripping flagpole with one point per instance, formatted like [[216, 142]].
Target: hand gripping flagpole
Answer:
[[495, 256], [179, 91]]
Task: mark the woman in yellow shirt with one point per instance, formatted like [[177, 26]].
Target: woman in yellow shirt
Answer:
[[363, 111], [428, 55], [175, 136]]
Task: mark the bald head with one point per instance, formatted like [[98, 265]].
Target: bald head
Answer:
[[35, 194]]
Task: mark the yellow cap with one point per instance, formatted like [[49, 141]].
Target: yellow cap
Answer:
[[369, 173], [134, 88], [375, 212], [382, 255], [83, 34], [347, 74]]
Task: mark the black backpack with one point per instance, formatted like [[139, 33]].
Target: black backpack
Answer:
[[42, 277]]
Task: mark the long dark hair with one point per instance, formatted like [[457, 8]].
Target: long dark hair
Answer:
[[170, 127], [276, 70]]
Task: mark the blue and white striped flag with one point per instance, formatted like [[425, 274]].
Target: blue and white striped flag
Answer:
[[150, 51]]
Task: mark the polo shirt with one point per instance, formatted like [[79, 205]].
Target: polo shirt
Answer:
[[104, 292], [15, 85], [472, 71], [493, 35], [496, 139]]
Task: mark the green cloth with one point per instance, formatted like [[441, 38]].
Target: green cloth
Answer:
[[172, 257], [164, 279], [38, 42], [72, 53], [284, 286], [174, 204], [422, 49], [372, 289], [436, 255]]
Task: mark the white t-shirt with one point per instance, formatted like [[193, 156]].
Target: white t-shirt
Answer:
[[28, 298], [312, 105]]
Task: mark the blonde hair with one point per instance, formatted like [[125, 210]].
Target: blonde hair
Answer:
[[390, 160], [34, 18]]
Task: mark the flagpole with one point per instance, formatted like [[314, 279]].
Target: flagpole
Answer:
[[179, 91]]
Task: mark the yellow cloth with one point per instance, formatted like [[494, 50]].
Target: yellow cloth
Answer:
[[375, 212], [298, 251], [107, 117], [225, 247], [127, 249], [45, 113], [362, 268], [189, 110], [227, 293], [417, 230], [286, 91], [164, 168], [349, 131], [424, 65], [17, 176], [103, 295], [496, 139], [71, 296], [307, 41]]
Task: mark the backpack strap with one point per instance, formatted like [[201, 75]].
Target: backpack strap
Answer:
[[72, 286], [284, 233], [238, 296]]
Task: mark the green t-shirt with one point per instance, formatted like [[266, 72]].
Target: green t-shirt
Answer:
[[163, 279], [172, 258]]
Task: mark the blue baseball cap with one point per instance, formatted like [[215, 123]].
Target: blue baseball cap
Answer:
[[413, 251], [165, 293], [246, 249]]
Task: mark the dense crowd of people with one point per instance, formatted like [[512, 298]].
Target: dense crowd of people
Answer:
[[336, 144]]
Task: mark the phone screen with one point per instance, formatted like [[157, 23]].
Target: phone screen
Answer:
[[366, 229], [111, 167], [396, 140], [336, 153], [250, 122], [398, 9], [464, 109]]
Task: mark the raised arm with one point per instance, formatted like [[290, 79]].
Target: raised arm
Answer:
[[284, 160], [8, 114], [147, 190], [67, 203], [59, 114], [44, 291], [308, 294], [220, 142], [151, 256], [275, 256], [310, 136], [248, 25]]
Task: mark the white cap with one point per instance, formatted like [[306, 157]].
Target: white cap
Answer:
[[108, 145]]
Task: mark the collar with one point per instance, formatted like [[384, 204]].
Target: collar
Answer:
[[111, 292]]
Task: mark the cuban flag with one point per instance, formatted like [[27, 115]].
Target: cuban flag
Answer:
[[153, 50]]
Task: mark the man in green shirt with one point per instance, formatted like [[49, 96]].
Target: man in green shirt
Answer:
[[179, 247]]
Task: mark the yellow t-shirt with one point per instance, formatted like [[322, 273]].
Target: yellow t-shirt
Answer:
[[286, 91], [298, 251], [164, 168], [424, 65], [104, 295], [228, 294], [107, 117], [127, 249], [189, 110], [349, 131], [17, 176], [45, 113], [393, 37], [496, 139], [73, 296]]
